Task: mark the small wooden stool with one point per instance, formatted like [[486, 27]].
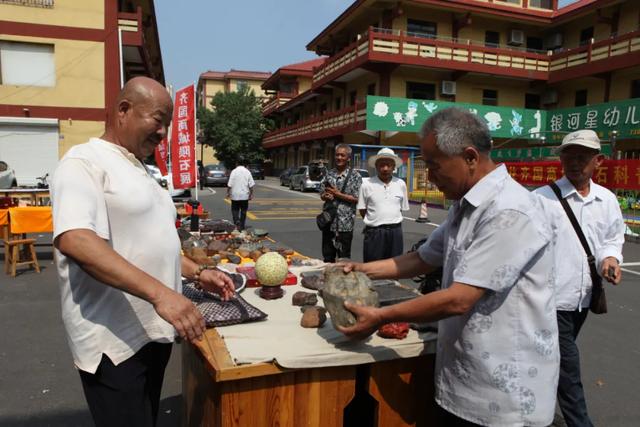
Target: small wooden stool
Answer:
[[12, 255]]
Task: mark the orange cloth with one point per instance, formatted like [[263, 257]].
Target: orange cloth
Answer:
[[31, 219], [4, 217]]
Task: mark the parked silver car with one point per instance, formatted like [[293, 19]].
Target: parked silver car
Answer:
[[7, 176], [300, 180]]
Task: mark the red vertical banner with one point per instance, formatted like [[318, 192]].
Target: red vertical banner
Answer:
[[183, 135], [161, 156]]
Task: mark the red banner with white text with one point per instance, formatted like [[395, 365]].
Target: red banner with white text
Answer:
[[613, 174], [183, 135], [161, 156]]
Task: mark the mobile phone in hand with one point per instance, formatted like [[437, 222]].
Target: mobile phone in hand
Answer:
[[612, 272]]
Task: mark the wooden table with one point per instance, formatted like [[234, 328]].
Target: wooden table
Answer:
[[35, 195], [217, 392]]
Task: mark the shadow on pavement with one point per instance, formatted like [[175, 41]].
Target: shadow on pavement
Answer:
[[169, 415]]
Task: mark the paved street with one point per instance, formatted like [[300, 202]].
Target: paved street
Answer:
[[39, 386]]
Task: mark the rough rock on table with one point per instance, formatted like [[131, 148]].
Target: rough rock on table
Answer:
[[313, 280], [339, 287], [313, 317], [301, 298]]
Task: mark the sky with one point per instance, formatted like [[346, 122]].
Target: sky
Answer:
[[256, 35]]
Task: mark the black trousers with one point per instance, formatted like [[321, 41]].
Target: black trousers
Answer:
[[127, 394], [448, 419], [382, 242], [329, 250], [239, 212], [570, 392]]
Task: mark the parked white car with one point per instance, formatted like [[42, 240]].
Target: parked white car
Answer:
[[166, 182], [7, 176]]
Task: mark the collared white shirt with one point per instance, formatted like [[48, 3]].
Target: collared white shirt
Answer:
[[102, 187], [240, 182], [601, 221], [384, 202], [498, 364]]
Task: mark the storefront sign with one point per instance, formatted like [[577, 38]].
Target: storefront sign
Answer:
[[613, 174], [183, 136], [532, 153], [407, 115]]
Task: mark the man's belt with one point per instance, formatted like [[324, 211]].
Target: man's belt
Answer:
[[383, 226]]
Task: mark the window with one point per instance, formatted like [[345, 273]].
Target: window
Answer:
[[541, 4], [338, 104], [422, 28], [371, 89], [34, 3], [535, 44], [489, 97], [586, 35], [581, 98], [417, 90], [635, 89], [352, 97], [492, 38], [27, 64], [241, 85], [532, 101]]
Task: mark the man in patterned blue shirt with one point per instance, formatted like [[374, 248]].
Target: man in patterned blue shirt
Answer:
[[336, 241], [497, 357]]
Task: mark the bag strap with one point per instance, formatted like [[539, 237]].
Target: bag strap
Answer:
[[576, 226], [346, 180]]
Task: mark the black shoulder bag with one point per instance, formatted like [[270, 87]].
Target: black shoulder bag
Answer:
[[329, 212], [598, 304]]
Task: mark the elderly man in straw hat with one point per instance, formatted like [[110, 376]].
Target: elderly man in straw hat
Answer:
[[381, 201], [599, 218]]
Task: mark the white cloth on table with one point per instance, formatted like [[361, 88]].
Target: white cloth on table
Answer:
[[281, 338], [102, 187]]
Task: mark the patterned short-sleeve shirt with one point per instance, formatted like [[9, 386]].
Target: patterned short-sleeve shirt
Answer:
[[346, 215], [498, 364]]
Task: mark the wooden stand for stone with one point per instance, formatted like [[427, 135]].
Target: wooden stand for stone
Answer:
[[271, 292]]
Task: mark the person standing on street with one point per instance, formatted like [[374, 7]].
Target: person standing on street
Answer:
[[118, 261], [340, 187], [240, 191], [381, 201], [598, 213], [497, 354]]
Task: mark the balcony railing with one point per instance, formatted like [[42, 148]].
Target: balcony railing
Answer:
[[596, 51], [131, 26], [379, 44], [32, 3], [276, 101], [328, 124]]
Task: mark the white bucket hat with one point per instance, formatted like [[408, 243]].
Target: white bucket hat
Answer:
[[385, 153], [585, 138]]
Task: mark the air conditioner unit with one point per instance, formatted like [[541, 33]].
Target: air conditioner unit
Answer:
[[554, 41], [516, 38], [448, 87], [550, 97]]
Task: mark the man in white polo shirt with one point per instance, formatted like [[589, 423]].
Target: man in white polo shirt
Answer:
[[240, 191], [381, 201], [119, 263]]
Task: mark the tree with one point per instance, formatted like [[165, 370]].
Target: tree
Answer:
[[235, 127]]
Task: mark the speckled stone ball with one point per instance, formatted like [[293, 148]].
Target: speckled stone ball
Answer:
[[271, 269]]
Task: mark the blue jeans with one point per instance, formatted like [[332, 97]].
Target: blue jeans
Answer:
[[570, 392]]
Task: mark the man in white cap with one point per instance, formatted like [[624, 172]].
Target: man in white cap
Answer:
[[381, 201], [600, 219]]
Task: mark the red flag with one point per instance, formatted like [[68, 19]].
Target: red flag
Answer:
[[161, 156], [183, 135]]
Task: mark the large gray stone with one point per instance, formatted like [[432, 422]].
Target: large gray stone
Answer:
[[339, 287]]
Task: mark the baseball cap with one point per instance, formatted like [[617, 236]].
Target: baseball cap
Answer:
[[586, 138]]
